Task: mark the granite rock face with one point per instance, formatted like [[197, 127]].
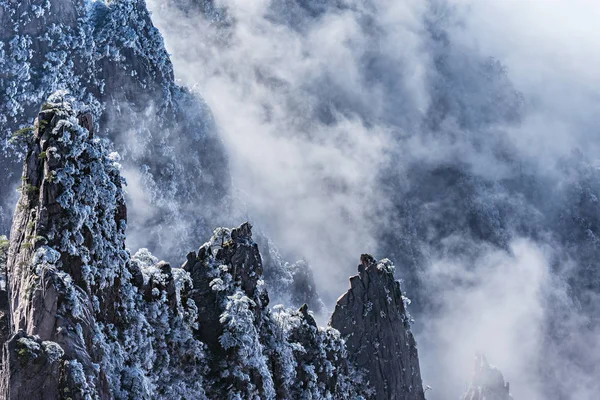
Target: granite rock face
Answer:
[[372, 318], [110, 55], [254, 351], [4, 312], [69, 221], [235, 249], [83, 318], [81, 325], [488, 383]]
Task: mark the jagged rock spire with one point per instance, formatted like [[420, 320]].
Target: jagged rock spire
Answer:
[[88, 321], [488, 382], [372, 318], [235, 249], [255, 351], [112, 57], [71, 215], [66, 254]]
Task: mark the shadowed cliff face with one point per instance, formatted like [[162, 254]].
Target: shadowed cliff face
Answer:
[[88, 320], [372, 318]]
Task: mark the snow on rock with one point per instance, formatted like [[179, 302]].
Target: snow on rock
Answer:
[[255, 351], [31, 367], [89, 321], [73, 283], [109, 54]]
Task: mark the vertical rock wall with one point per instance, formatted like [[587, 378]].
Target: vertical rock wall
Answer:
[[372, 318]]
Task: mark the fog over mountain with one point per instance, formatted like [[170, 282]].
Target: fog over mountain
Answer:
[[458, 139]]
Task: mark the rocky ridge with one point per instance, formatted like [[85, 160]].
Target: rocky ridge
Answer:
[[110, 55], [89, 321]]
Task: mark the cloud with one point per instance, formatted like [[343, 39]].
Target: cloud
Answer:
[[493, 305], [316, 103], [291, 105], [552, 57]]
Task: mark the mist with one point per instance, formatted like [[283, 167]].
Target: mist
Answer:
[[317, 102], [307, 157]]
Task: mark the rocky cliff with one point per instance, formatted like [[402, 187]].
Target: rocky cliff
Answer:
[[373, 319], [110, 55], [66, 259], [88, 320]]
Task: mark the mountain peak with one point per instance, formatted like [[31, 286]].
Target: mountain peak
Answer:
[[372, 318], [67, 250], [88, 319]]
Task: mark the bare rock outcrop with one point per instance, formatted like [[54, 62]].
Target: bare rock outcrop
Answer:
[[33, 368], [87, 320], [230, 259], [372, 318], [253, 350]]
